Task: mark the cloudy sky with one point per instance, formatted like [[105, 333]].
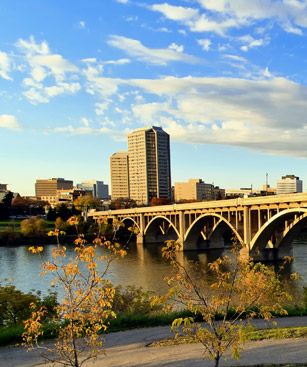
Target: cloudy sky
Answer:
[[225, 78]]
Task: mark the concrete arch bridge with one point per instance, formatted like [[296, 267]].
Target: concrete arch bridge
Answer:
[[265, 225]]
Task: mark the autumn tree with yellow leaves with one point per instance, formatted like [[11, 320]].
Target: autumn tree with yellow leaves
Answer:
[[238, 291], [86, 306]]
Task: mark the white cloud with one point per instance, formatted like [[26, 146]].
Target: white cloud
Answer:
[[101, 107], [122, 1], [61, 88], [31, 47], [49, 72], [178, 13], [9, 122], [117, 62], [97, 84], [175, 47], [5, 66], [204, 43], [251, 42], [82, 24], [267, 114], [235, 58], [219, 16], [156, 56]]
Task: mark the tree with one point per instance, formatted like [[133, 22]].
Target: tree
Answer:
[[87, 300], [122, 203], [86, 202], [33, 227], [240, 291], [63, 211], [15, 304], [5, 205], [159, 201]]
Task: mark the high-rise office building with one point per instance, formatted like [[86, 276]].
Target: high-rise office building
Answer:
[[149, 164], [119, 168], [289, 184], [49, 187]]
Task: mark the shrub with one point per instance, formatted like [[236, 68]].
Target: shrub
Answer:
[[133, 300]]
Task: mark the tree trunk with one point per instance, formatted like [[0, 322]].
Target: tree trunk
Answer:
[[217, 359]]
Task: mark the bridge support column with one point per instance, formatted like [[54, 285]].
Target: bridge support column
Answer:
[[180, 239], [140, 236], [247, 227]]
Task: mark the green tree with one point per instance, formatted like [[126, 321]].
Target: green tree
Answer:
[[33, 227], [240, 291], [5, 205], [86, 202], [63, 211], [14, 305]]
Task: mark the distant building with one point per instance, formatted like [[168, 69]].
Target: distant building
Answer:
[[289, 184], [149, 164], [197, 190], [49, 187], [242, 192], [98, 189], [119, 172], [63, 197]]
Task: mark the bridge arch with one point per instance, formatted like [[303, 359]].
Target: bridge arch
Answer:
[[160, 229], [210, 230], [279, 231], [131, 220]]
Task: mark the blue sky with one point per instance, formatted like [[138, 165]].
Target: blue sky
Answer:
[[225, 78]]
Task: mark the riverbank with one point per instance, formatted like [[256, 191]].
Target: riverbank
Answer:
[[132, 348]]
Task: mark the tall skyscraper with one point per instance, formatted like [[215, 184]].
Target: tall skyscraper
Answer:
[[149, 164], [119, 168]]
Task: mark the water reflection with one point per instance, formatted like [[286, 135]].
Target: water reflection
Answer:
[[143, 266]]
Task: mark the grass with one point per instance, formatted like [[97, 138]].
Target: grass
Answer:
[[255, 335]]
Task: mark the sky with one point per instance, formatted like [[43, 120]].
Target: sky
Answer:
[[227, 79]]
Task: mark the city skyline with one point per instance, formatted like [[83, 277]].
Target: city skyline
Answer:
[[226, 80]]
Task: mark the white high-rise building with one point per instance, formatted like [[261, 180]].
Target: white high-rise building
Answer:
[[119, 168], [289, 184], [149, 164]]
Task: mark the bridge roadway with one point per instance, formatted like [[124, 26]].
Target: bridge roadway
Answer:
[[265, 225]]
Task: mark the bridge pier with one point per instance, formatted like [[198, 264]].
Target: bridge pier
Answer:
[[140, 239]]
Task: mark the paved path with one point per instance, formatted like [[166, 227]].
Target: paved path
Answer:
[[130, 348]]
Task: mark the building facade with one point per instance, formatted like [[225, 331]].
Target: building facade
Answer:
[[289, 184], [98, 189], [119, 172], [196, 189], [149, 164], [49, 187]]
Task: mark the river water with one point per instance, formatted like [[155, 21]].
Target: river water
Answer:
[[143, 266]]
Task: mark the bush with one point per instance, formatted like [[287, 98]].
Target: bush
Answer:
[[133, 300], [15, 305], [33, 227]]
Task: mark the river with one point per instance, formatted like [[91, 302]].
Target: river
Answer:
[[143, 266]]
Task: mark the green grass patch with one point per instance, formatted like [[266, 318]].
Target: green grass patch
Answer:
[[255, 335], [13, 334], [10, 334], [133, 321]]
